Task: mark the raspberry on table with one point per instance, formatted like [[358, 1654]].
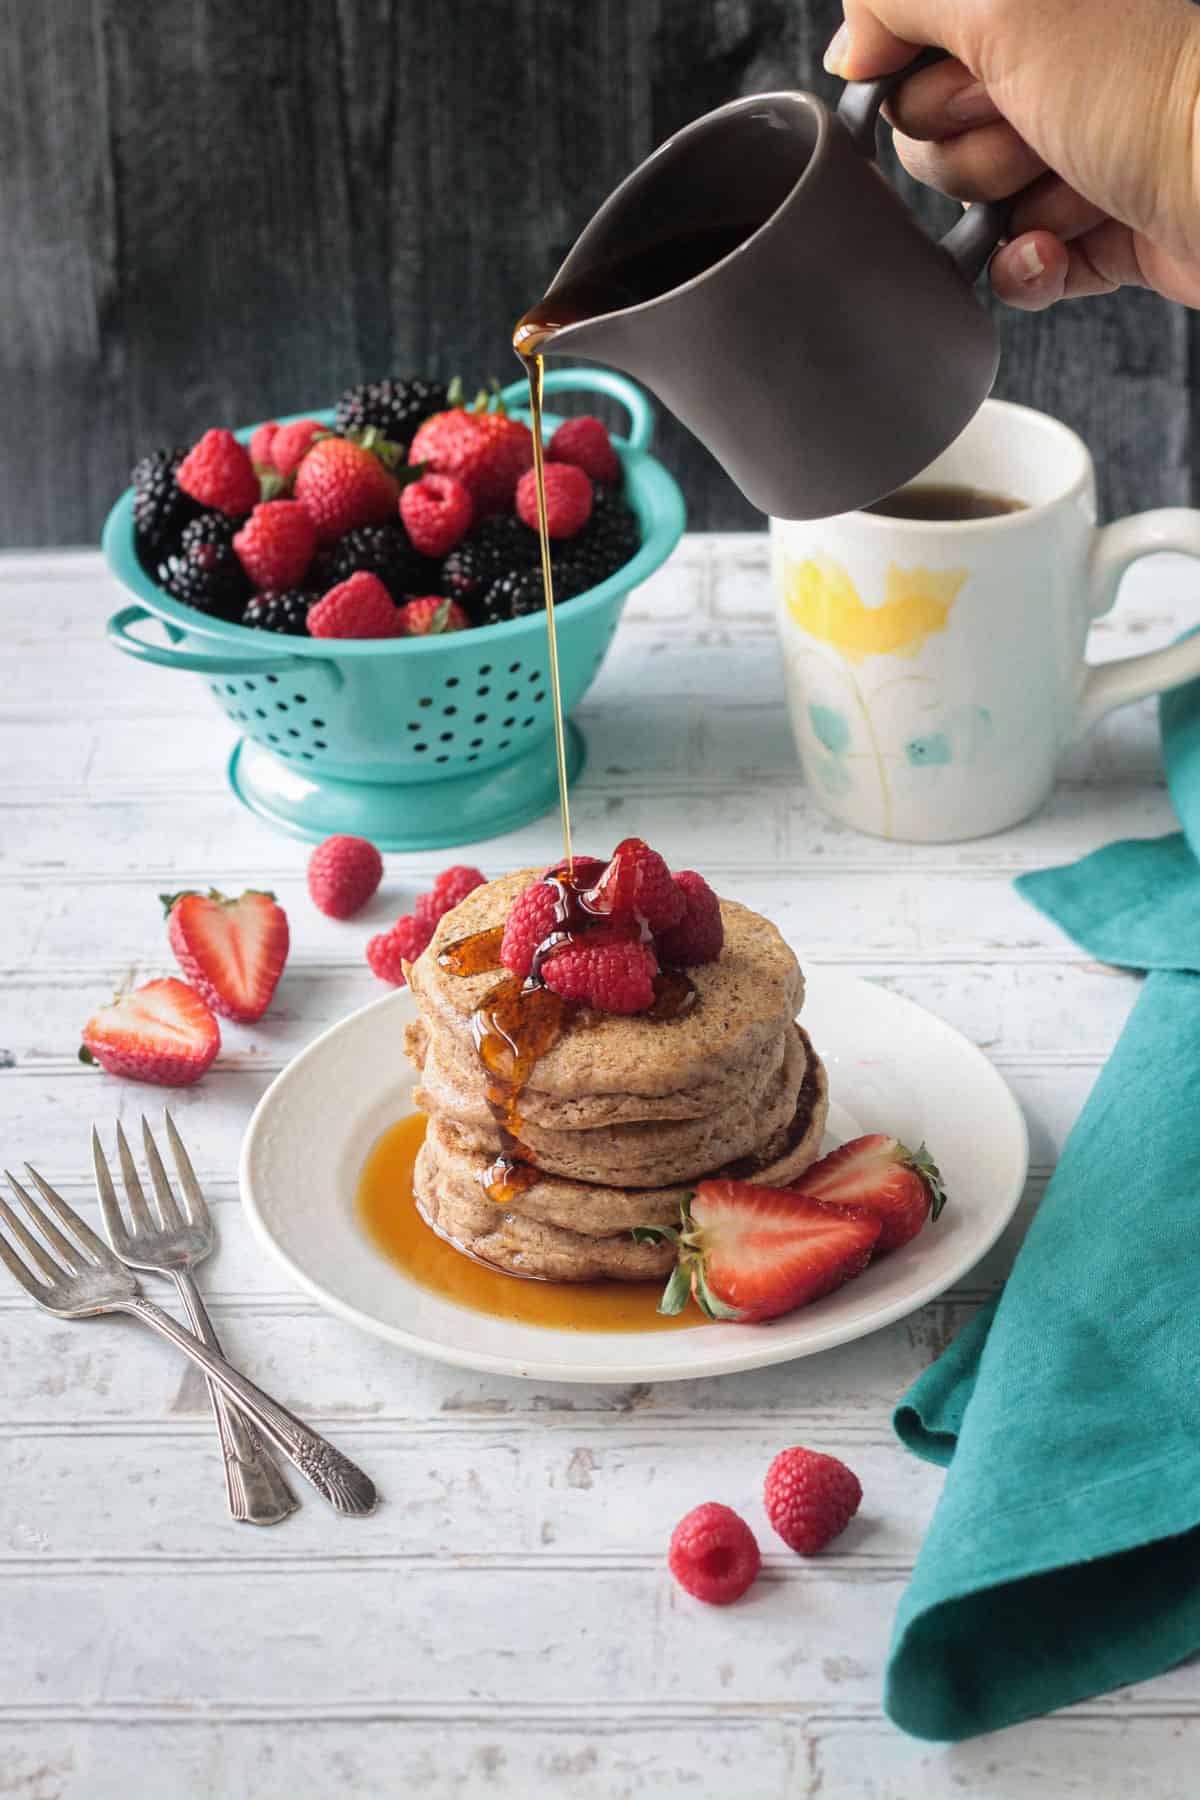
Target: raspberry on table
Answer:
[[713, 1554], [586, 443], [292, 443], [603, 969], [387, 952], [343, 873], [276, 544], [285, 612], [809, 1498], [529, 923], [431, 615], [358, 608], [218, 472], [699, 936], [637, 880], [437, 512], [568, 499]]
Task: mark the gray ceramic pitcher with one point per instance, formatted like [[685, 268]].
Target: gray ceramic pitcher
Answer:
[[838, 349]]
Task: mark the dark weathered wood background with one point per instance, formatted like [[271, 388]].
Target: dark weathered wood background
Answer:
[[214, 210]]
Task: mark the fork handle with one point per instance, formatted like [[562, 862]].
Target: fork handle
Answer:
[[347, 1488], [254, 1486]]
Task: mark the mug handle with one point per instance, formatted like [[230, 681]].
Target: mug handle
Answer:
[[969, 242], [1133, 677]]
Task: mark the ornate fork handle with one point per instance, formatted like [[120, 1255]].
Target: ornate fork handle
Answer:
[[257, 1492], [347, 1488]]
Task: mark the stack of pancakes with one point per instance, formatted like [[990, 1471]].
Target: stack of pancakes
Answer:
[[623, 1114]]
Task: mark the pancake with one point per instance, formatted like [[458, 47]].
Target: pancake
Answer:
[[577, 1231], [745, 1001], [650, 1153]]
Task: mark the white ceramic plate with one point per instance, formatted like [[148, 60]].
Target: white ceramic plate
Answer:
[[892, 1067]]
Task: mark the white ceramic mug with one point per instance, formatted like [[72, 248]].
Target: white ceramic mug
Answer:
[[935, 668]]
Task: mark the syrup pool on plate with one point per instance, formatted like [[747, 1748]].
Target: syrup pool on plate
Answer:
[[389, 1215]]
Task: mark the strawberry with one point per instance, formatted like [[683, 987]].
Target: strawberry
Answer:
[[429, 615], [486, 450], [161, 1032], [233, 950], [344, 485], [750, 1253], [901, 1187], [276, 544]]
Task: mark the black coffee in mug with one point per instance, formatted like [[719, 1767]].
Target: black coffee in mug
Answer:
[[944, 500]]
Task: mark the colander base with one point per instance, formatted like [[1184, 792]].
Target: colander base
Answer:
[[408, 815]]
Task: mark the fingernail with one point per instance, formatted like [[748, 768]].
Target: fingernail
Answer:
[[839, 43], [971, 105], [1032, 266]]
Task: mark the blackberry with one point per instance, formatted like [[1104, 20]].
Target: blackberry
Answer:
[[383, 550], [394, 406], [613, 525], [491, 550], [512, 596], [161, 509], [205, 571], [286, 612]]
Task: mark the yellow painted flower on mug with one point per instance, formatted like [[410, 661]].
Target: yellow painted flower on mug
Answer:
[[825, 602]]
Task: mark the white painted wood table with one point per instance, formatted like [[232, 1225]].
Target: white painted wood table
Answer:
[[505, 1626]]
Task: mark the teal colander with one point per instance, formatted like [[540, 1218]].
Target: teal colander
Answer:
[[415, 743]]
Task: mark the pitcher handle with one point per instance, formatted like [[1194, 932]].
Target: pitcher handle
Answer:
[[595, 381], [169, 656], [970, 241]]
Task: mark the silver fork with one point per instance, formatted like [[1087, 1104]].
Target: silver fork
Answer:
[[171, 1244], [83, 1278]]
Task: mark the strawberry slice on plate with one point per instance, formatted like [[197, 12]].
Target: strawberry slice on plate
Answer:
[[748, 1253], [233, 951], [904, 1187], [162, 1032]]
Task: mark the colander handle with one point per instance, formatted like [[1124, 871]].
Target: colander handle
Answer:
[[197, 662], [594, 381]]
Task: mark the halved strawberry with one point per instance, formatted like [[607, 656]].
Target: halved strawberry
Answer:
[[904, 1187], [748, 1253], [162, 1032], [233, 950]]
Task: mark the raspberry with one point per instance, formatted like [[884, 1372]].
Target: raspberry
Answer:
[[568, 499], [612, 973], [429, 615], [260, 445], [343, 873], [358, 608], [713, 1554], [343, 486], [437, 513], [529, 923], [810, 1498], [387, 952], [292, 444], [585, 870], [638, 880], [219, 473], [586, 443], [454, 884], [700, 933], [276, 544]]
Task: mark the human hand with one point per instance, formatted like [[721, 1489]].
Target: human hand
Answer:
[[1088, 108]]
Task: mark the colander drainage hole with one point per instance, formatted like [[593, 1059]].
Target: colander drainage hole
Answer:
[[260, 712], [281, 706], [449, 711], [476, 744], [319, 744], [307, 755], [299, 699], [508, 723], [485, 668], [539, 696], [447, 737], [420, 749], [231, 687], [504, 744], [526, 723], [452, 681], [292, 732], [473, 759], [535, 675], [513, 667], [479, 719], [274, 680], [318, 724], [271, 738], [512, 695], [425, 700], [483, 691], [248, 686], [441, 759]]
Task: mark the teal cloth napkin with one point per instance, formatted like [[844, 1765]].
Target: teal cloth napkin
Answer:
[[1064, 1556]]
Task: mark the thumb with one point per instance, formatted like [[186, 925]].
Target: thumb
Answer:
[[862, 47]]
